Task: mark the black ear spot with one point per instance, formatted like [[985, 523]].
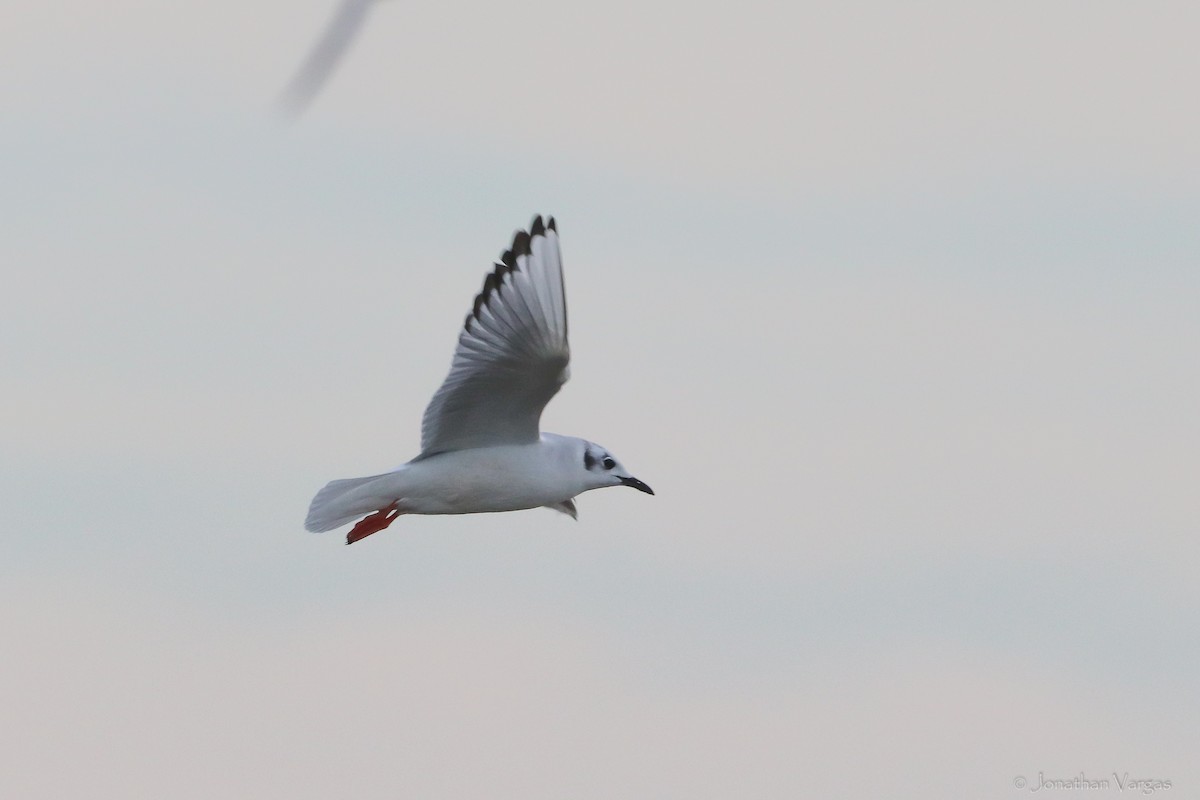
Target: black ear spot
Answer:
[[588, 460], [609, 463]]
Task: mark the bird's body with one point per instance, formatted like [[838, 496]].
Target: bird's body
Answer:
[[481, 448], [503, 478]]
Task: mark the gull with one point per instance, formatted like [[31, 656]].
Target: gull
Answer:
[[481, 445], [343, 27]]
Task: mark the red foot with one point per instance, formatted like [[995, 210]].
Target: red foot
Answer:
[[373, 523]]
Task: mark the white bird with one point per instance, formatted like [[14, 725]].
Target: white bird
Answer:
[[481, 448], [341, 31]]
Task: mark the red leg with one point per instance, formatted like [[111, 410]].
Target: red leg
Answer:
[[373, 523]]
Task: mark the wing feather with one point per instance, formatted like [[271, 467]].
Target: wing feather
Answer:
[[512, 353], [321, 61]]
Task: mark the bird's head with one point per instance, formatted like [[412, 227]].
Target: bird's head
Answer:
[[604, 470]]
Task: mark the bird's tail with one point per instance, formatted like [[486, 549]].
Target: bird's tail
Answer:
[[346, 500]]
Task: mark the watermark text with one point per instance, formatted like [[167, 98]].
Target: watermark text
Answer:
[[1119, 781]]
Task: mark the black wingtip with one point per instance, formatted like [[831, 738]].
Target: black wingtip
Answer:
[[494, 281], [489, 286], [520, 245]]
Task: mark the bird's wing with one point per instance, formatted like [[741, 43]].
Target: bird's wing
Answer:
[[512, 353], [325, 54]]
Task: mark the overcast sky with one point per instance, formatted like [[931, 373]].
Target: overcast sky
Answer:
[[896, 306]]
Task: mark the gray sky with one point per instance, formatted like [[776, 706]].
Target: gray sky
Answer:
[[895, 307]]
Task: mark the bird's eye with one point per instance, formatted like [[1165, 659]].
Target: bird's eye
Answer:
[[609, 463]]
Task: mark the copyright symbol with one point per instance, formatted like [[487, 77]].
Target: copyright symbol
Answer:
[[1019, 781]]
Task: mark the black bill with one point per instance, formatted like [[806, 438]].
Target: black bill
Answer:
[[636, 484]]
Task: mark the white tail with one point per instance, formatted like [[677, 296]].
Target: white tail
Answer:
[[346, 500]]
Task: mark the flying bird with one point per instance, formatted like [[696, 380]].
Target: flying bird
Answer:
[[347, 21], [481, 445]]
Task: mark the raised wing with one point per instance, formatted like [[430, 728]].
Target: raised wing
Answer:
[[512, 353], [325, 54]]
